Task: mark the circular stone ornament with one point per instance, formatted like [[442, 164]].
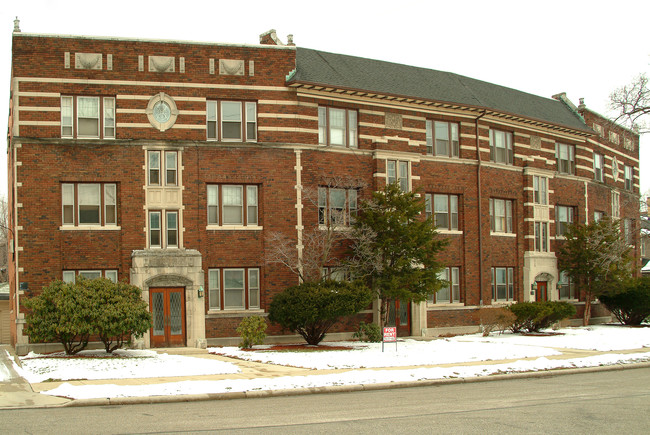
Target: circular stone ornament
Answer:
[[162, 111]]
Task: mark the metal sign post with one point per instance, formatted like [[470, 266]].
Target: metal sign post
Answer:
[[389, 336]]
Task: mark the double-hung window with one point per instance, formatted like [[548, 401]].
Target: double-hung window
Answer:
[[566, 160], [398, 172], [336, 206], [503, 284], [563, 218], [598, 167], [628, 232], [501, 147], [616, 205], [231, 121], [70, 276], [337, 127], [444, 209], [442, 138], [451, 292], [541, 236], [234, 288], [88, 117], [92, 204], [613, 137], [598, 216], [540, 190], [163, 229], [501, 215], [566, 287], [233, 205], [629, 173], [167, 175]]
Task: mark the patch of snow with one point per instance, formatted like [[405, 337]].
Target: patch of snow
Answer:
[[126, 364], [355, 377]]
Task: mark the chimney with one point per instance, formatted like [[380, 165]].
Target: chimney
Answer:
[[270, 38]]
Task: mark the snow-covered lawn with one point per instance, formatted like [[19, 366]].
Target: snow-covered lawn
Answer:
[[124, 364], [528, 352]]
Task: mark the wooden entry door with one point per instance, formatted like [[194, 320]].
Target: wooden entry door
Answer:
[[542, 291], [168, 312], [399, 315]]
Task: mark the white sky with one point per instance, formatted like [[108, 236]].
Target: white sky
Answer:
[[584, 48]]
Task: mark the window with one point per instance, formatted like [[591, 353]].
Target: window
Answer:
[[336, 206], [231, 121], [598, 215], [629, 171], [334, 273], [337, 127], [540, 190], [541, 236], [442, 138], [451, 293], [628, 231], [70, 276], [501, 215], [503, 284], [501, 147], [94, 116], [566, 160], [563, 218], [599, 129], [170, 170], [163, 229], [238, 289], [82, 204], [239, 205], [566, 287], [398, 172], [616, 205], [613, 137], [598, 167], [628, 144], [445, 210]]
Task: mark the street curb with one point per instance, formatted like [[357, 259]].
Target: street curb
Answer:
[[256, 394]]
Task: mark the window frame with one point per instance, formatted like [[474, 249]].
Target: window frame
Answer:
[[562, 226], [71, 204], [105, 117], [540, 190], [566, 286], [508, 285], [70, 275], [506, 220], [217, 289], [629, 177], [453, 290], [508, 148], [568, 165], [349, 130], [599, 167], [214, 120], [401, 174], [541, 237], [452, 212], [216, 204], [616, 204], [453, 138], [325, 206]]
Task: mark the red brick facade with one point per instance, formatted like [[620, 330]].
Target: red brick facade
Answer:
[[282, 159]]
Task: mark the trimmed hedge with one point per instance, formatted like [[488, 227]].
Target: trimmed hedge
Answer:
[[533, 316], [630, 303]]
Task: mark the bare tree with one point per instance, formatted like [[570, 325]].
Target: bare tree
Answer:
[[631, 104], [322, 241]]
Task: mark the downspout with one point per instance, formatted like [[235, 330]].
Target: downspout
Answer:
[[480, 220]]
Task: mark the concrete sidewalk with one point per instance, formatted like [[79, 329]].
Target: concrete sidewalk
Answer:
[[18, 393]]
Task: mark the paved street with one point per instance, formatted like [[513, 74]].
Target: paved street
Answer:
[[601, 402]]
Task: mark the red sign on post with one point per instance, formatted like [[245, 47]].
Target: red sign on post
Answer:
[[390, 336]]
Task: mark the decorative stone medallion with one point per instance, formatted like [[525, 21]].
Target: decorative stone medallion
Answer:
[[162, 111]]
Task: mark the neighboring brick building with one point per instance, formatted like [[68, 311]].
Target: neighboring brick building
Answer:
[[169, 164]]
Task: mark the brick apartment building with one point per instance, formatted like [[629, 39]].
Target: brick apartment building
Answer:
[[168, 164]]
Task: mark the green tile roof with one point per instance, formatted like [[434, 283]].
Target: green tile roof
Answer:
[[369, 75]]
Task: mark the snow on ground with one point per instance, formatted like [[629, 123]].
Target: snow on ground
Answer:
[[355, 377], [126, 364], [405, 353], [455, 350], [5, 374], [597, 337]]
